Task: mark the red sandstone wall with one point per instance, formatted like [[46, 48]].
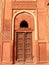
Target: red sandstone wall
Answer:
[[42, 20]]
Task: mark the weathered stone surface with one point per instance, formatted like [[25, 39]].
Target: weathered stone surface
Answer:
[[35, 12]]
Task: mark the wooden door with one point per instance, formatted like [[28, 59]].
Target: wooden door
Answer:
[[23, 46]]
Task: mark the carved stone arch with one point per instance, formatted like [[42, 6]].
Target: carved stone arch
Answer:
[[25, 11], [24, 17]]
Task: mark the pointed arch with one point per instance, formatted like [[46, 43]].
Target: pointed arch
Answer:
[[35, 21]]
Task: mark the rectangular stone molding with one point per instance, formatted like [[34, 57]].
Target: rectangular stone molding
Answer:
[[42, 25], [29, 5], [42, 51], [47, 23], [6, 52], [8, 10]]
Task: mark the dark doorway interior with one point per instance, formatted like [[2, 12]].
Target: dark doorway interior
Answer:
[[24, 24]]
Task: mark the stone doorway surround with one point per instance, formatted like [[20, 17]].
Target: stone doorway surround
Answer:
[[26, 13]]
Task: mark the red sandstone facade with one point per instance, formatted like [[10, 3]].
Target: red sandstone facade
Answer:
[[24, 32]]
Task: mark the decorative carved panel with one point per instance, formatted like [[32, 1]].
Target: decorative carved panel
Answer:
[[7, 30], [24, 5]]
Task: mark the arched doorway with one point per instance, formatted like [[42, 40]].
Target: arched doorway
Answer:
[[23, 40]]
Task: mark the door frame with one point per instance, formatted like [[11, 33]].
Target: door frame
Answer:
[[34, 31]]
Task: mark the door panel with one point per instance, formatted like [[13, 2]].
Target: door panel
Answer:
[[28, 48], [20, 46]]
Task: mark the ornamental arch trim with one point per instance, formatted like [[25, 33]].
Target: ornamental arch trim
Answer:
[[35, 22]]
